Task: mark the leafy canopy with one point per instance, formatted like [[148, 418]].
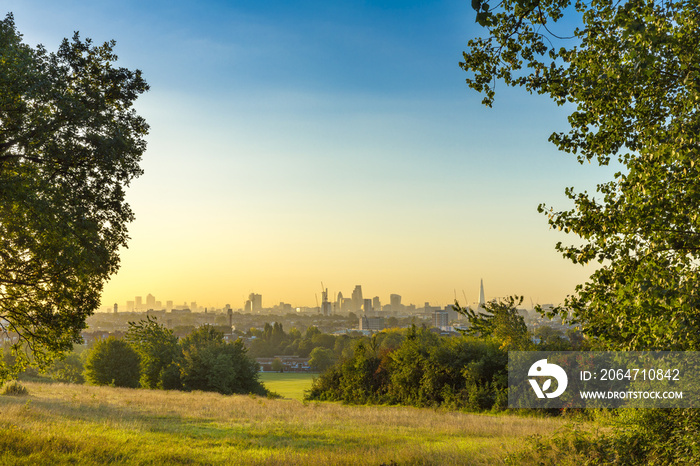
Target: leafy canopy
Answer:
[[630, 72], [70, 141]]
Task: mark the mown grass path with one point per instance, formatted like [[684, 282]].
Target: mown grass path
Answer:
[[288, 384]]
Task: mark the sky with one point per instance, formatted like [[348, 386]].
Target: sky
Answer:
[[294, 143]]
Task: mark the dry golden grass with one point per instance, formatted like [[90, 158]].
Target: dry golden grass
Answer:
[[94, 425]]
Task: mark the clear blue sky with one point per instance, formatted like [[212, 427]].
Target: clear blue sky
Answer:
[[294, 142]]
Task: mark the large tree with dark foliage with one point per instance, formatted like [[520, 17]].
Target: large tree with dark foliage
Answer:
[[70, 142]]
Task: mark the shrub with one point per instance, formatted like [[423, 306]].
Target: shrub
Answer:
[[13, 388]]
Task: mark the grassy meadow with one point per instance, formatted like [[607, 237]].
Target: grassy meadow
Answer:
[[79, 424], [288, 384]]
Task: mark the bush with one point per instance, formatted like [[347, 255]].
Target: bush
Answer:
[[13, 388], [69, 369], [631, 436], [113, 362]]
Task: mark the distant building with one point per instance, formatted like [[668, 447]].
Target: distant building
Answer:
[[357, 300], [116, 308], [138, 306], [255, 302], [289, 364], [325, 304], [376, 304], [339, 301], [440, 319], [395, 301], [482, 300], [367, 306], [346, 305], [150, 301], [374, 324]]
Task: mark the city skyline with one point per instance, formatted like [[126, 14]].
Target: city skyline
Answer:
[[339, 304], [337, 142]]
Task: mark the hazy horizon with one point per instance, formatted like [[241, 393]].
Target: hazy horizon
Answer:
[[297, 143]]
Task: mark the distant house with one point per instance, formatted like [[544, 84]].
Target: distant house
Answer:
[[289, 364]]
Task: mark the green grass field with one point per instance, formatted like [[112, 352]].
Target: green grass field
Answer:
[[288, 384], [78, 424]]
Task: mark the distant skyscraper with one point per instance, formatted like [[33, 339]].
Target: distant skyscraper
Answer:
[[255, 302], [116, 308], [138, 303], [367, 307], [357, 300], [376, 304], [169, 305], [346, 305], [482, 300], [395, 301], [150, 301]]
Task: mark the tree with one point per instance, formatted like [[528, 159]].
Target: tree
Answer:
[[70, 141], [158, 350], [502, 321], [112, 362], [277, 365], [69, 368], [631, 73], [321, 358], [209, 363]]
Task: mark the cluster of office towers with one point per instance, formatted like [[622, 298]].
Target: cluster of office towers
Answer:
[[355, 303]]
